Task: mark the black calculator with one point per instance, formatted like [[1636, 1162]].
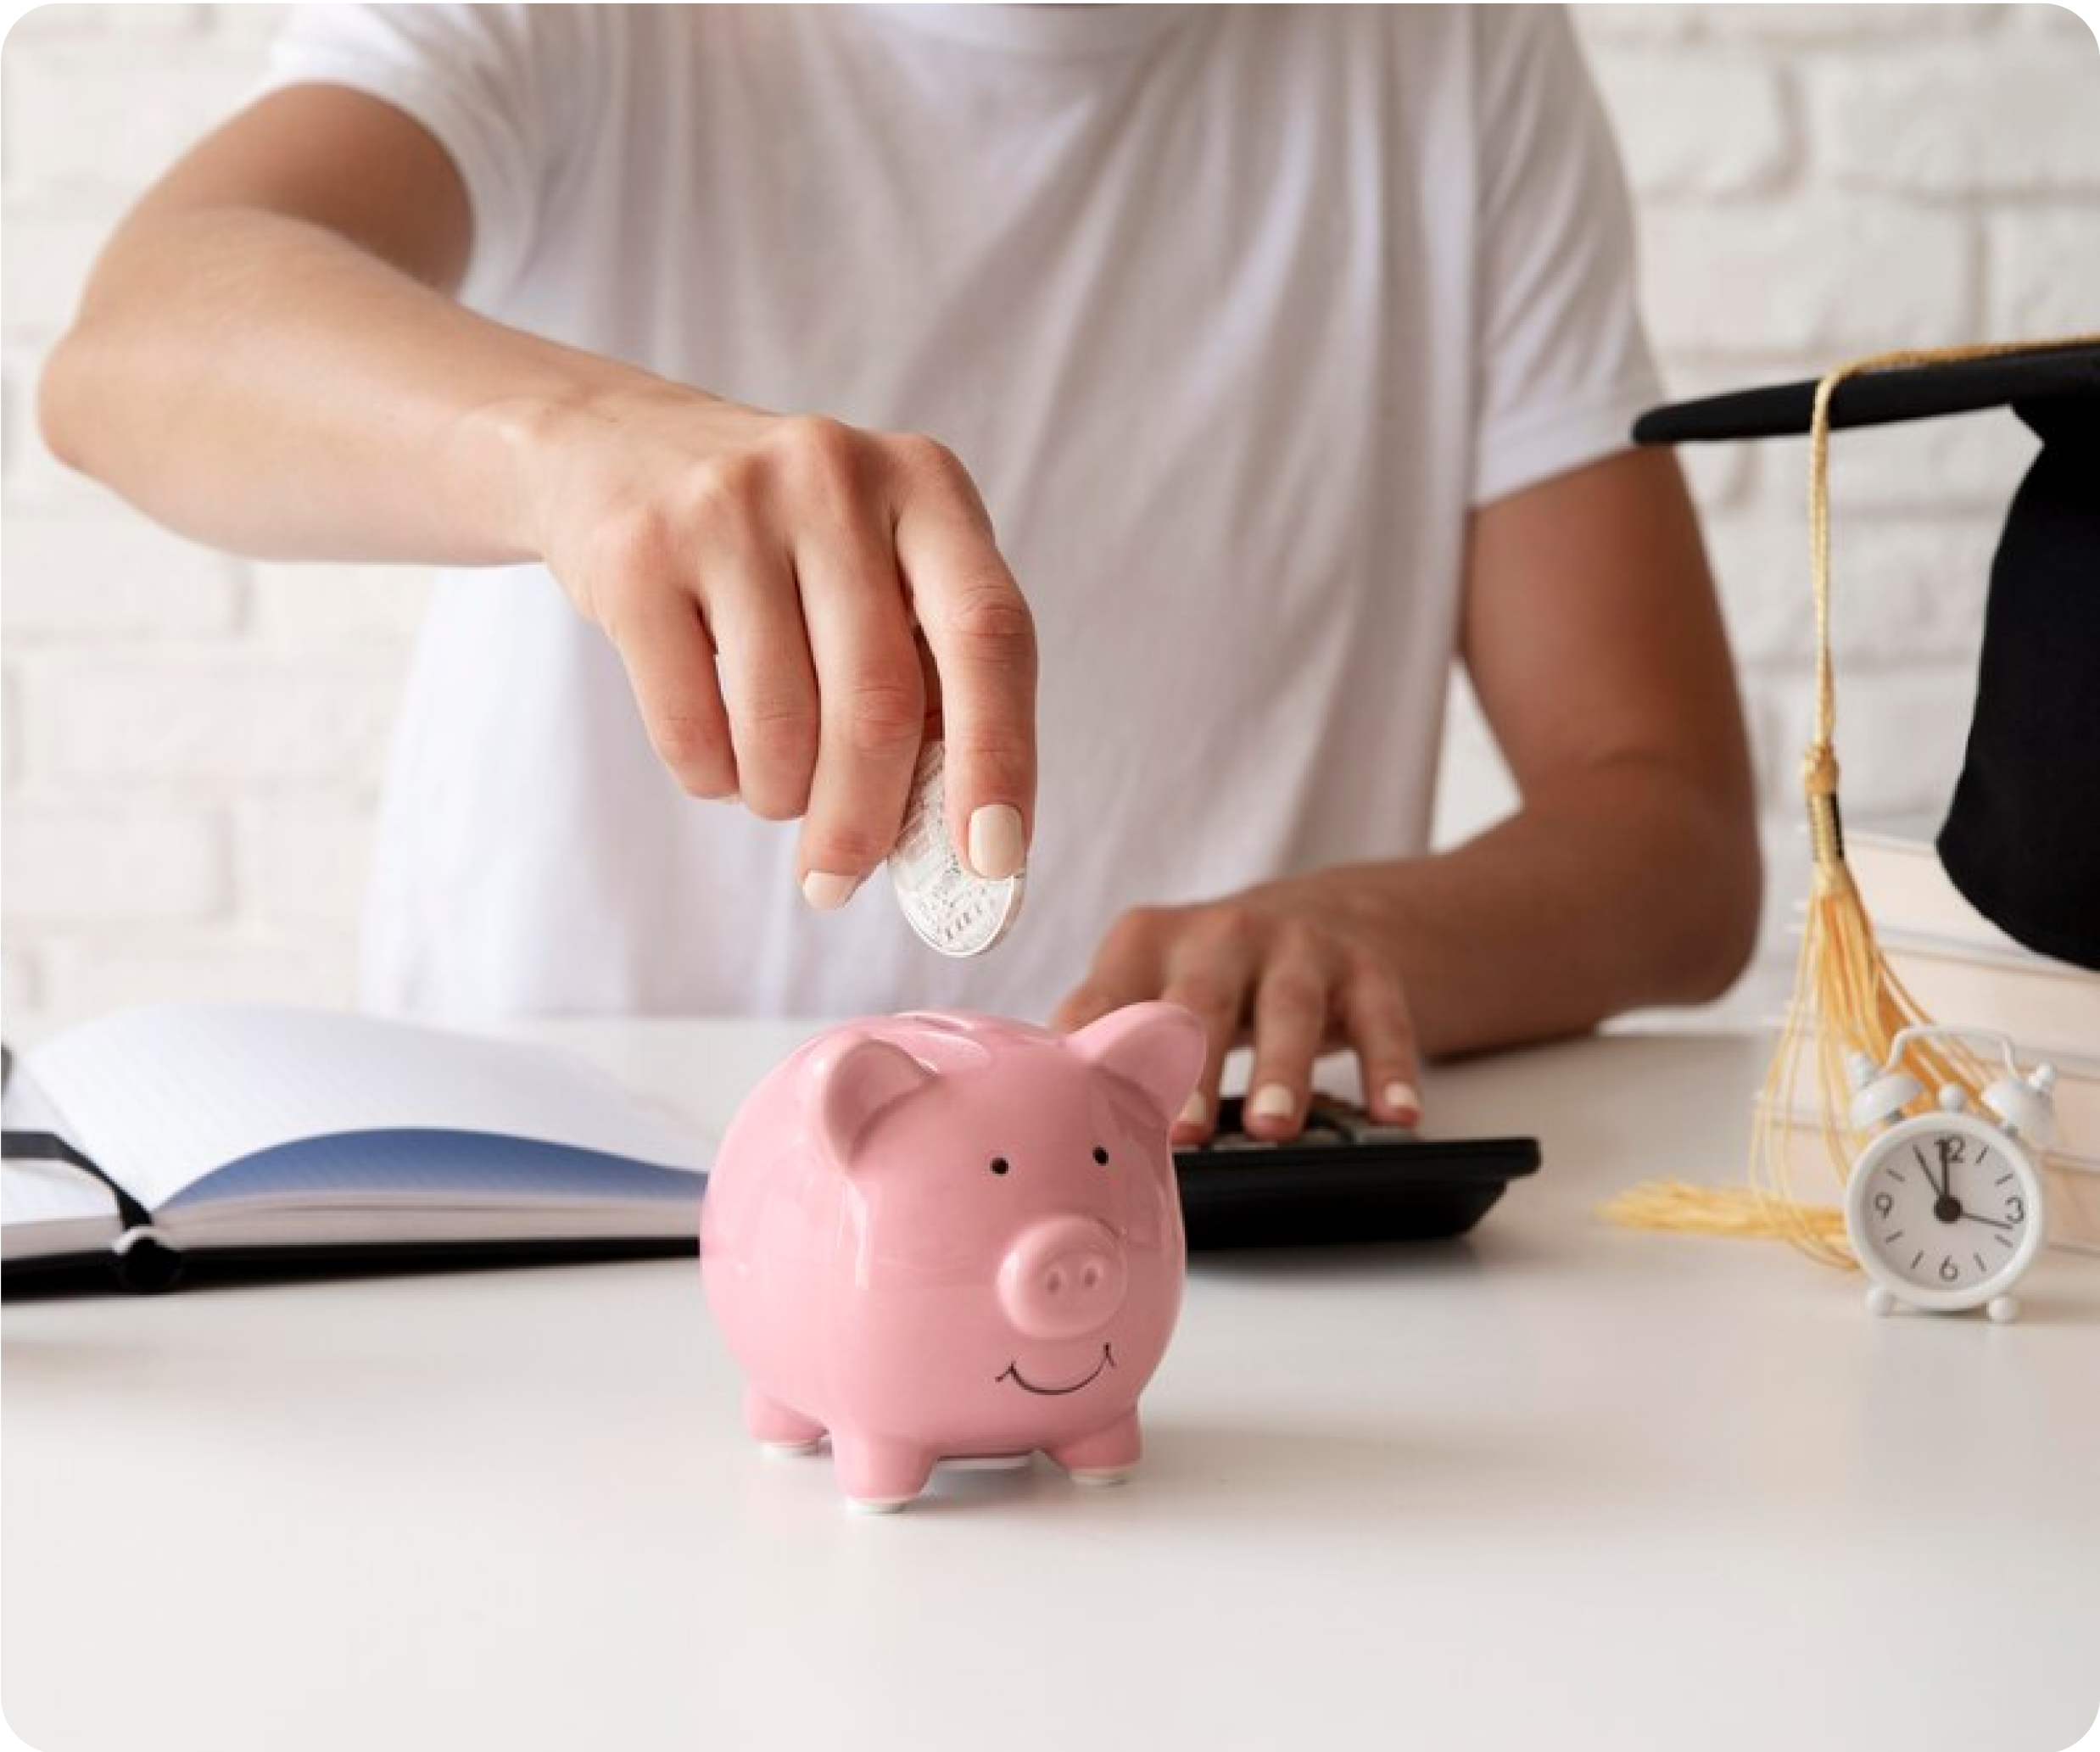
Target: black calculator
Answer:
[[1345, 1178]]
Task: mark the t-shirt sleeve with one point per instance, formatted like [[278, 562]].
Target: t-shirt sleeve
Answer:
[[1560, 362], [495, 86]]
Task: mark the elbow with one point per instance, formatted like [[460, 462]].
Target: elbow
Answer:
[[62, 416], [1725, 883]]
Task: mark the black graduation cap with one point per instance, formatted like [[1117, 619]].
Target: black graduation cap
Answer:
[[2022, 836]]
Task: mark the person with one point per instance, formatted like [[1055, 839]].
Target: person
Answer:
[[1153, 401]]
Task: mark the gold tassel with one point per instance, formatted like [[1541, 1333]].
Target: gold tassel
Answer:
[[1738, 1212], [1846, 998]]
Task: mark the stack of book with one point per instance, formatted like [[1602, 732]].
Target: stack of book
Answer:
[[1963, 970]]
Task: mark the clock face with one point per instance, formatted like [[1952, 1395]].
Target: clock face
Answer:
[[1945, 1209]]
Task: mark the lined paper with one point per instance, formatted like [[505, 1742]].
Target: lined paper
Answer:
[[163, 1096]]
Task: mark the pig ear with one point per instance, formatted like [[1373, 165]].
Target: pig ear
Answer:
[[853, 1085], [1158, 1047]]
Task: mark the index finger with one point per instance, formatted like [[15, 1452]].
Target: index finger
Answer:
[[977, 625]]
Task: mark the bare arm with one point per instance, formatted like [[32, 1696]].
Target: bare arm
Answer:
[[268, 357], [1627, 875]]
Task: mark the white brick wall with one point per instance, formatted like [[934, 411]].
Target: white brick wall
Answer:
[[191, 745]]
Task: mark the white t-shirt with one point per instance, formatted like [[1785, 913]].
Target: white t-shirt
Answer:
[[1233, 315]]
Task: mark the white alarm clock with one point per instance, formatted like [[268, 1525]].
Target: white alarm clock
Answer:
[[1946, 1210]]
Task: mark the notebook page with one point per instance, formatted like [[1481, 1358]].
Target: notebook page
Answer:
[[161, 1096], [34, 1194], [463, 1169], [65, 1206], [27, 1107]]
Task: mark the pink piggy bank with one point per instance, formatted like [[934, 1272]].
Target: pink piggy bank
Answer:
[[946, 1237]]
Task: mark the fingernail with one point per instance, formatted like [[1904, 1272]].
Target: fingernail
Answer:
[[1272, 1100], [1195, 1111], [1403, 1098], [827, 892], [995, 840]]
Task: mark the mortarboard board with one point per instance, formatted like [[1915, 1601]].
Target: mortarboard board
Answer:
[[2022, 835]]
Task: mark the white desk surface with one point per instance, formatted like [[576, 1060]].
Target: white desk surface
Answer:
[[1558, 1485]]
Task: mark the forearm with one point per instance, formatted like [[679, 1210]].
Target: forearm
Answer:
[[1627, 885], [1629, 876], [265, 385], [269, 360]]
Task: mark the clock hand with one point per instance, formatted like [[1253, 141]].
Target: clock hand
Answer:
[[1969, 1216], [1938, 1191]]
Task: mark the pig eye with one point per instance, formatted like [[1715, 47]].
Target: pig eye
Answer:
[[1000, 1164], [1100, 1156]]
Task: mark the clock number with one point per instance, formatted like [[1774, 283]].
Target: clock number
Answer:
[[1883, 1203], [1949, 1271], [1949, 1149], [2016, 1210]]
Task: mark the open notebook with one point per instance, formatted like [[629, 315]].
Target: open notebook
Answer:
[[238, 1132]]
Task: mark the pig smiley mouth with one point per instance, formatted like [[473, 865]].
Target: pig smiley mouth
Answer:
[[1013, 1372]]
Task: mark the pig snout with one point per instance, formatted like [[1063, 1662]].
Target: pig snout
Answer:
[[1063, 1279]]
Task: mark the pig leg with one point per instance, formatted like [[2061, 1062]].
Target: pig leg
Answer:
[[1107, 1456], [783, 1429], [879, 1473]]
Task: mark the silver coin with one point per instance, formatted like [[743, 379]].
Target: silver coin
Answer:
[[951, 909]]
